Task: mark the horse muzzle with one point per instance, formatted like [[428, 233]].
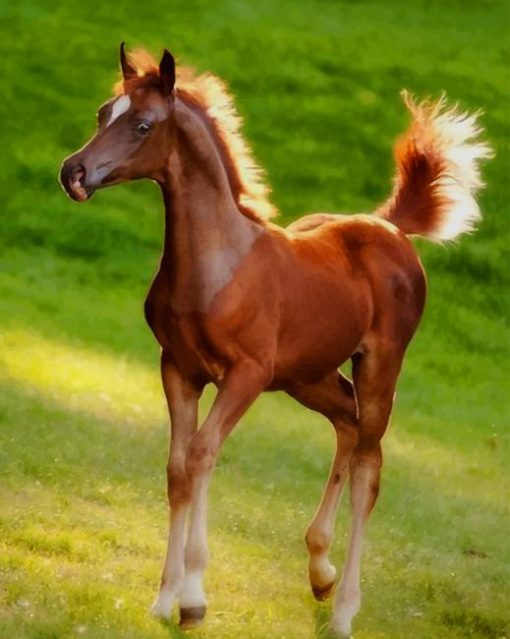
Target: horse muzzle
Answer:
[[73, 178]]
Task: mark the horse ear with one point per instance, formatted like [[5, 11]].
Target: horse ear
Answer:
[[128, 70], [167, 72]]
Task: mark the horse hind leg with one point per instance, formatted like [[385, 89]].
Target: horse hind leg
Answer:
[[374, 375], [334, 398]]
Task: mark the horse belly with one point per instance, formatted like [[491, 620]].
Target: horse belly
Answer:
[[322, 332]]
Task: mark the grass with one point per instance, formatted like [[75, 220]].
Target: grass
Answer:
[[83, 427]]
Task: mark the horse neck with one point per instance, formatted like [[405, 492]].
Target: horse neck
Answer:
[[206, 236]]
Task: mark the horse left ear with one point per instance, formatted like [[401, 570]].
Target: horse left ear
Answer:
[[128, 70], [167, 72]]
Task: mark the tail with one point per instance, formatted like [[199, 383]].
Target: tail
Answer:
[[437, 172]]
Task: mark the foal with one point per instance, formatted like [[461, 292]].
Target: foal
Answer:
[[251, 307]]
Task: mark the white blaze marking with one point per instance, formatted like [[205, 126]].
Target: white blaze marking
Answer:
[[119, 107]]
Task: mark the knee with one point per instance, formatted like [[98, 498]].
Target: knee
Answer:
[[201, 456], [368, 449], [347, 433], [178, 485]]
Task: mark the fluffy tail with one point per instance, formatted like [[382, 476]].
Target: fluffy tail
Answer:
[[437, 172]]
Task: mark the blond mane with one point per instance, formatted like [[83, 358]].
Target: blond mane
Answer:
[[210, 95]]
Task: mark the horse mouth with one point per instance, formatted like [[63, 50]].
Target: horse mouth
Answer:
[[74, 182]]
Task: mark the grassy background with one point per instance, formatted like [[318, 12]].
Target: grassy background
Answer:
[[83, 428]]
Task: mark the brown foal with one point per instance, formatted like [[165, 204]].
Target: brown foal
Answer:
[[251, 307]]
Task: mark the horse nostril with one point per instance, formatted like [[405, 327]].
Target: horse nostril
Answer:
[[72, 179], [78, 175]]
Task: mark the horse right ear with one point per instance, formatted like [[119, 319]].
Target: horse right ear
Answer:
[[167, 72], [128, 70]]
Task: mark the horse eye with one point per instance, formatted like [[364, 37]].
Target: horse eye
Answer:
[[143, 127]]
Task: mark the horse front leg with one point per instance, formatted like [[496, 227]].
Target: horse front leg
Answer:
[[182, 397], [241, 387]]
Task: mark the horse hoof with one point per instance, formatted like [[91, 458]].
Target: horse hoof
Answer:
[[191, 617], [321, 593]]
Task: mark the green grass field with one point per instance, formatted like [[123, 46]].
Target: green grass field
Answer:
[[83, 427]]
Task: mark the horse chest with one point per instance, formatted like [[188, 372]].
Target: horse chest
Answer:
[[193, 351], [184, 335]]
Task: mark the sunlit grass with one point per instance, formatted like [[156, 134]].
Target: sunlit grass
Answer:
[[80, 379], [83, 539], [126, 392]]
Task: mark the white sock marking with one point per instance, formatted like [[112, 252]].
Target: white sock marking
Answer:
[[192, 592]]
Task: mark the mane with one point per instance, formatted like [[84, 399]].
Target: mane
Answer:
[[210, 96]]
